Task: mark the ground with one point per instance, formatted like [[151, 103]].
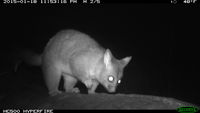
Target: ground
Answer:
[[22, 90]]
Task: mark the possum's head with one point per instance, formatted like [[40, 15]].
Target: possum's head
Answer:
[[112, 71]]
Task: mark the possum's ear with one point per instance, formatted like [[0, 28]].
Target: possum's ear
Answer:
[[107, 57], [125, 61]]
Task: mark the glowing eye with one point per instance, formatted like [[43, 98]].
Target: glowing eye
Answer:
[[111, 78], [119, 81]]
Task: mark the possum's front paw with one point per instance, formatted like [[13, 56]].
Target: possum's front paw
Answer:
[[88, 83], [75, 90], [54, 93], [91, 91], [92, 87]]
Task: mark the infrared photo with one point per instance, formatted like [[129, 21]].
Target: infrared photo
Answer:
[[99, 56]]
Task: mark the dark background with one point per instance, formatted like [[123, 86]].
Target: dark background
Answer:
[[161, 38]]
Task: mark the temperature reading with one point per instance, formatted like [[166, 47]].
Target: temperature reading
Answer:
[[173, 1], [189, 1]]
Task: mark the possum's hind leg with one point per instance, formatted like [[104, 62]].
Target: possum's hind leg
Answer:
[[52, 77], [69, 83]]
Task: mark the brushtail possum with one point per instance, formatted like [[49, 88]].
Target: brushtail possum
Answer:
[[75, 56]]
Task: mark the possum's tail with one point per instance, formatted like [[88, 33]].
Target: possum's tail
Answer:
[[27, 57]]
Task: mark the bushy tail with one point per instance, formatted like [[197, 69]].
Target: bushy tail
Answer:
[[28, 57]]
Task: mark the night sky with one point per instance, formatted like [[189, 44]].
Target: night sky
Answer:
[[161, 38]]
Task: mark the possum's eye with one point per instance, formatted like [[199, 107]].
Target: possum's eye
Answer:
[[119, 81], [111, 79]]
